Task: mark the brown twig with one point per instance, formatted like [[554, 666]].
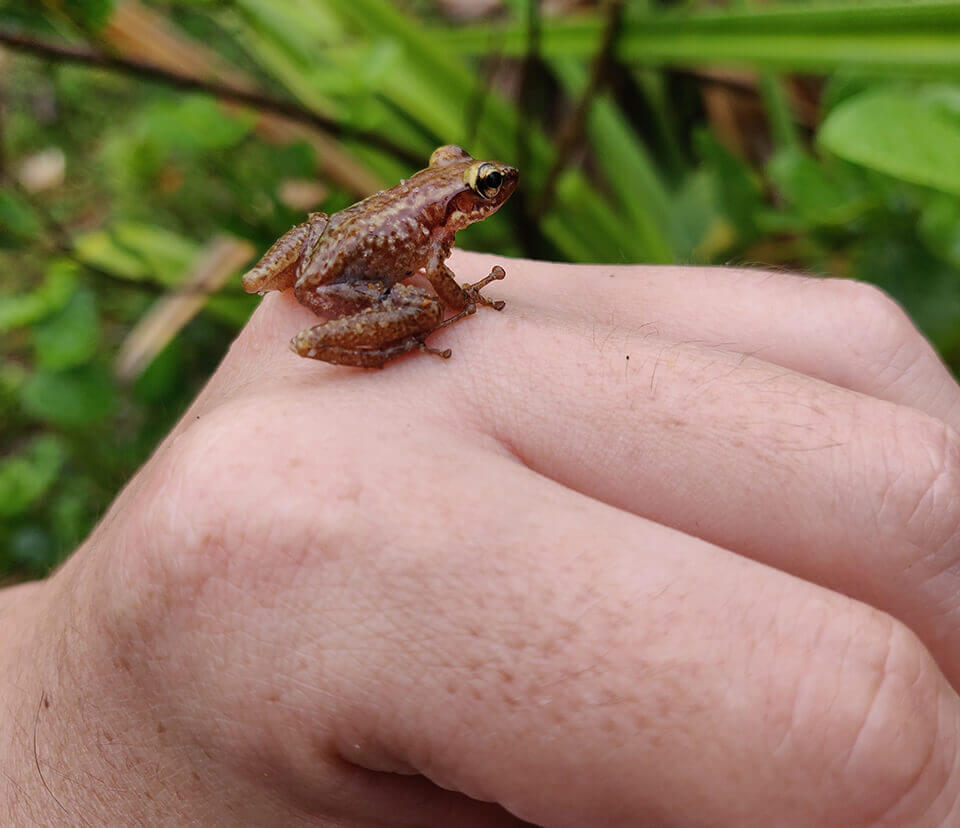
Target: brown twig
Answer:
[[256, 100], [571, 130]]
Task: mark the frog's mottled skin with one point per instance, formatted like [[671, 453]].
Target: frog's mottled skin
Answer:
[[349, 267]]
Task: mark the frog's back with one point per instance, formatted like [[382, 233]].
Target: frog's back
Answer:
[[388, 235]]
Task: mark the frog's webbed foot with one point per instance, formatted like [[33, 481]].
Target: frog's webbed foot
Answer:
[[385, 328], [277, 268]]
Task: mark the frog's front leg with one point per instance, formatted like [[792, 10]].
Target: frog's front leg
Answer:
[[277, 269], [463, 299], [386, 325]]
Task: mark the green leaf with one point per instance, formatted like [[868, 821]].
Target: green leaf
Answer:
[[820, 195], [895, 133], [432, 90], [18, 222], [138, 251], [892, 257], [737, 186], [196, 123], [699, 230], [783, 127], [72, 512], [893, 38], [12, 377], [20, 310], [26, 477], [70, 337], [159, 379], [943, 98], [939, 227], [840, 87], [70, 399], [628, 168], [92, 13]]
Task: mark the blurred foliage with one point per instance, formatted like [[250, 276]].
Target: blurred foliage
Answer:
[[705, 144]]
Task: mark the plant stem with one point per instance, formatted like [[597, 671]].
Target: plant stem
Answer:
[[63, 53]]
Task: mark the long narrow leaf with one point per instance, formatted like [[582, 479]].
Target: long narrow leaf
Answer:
[[435, 88], [921, 38], [627, 168]]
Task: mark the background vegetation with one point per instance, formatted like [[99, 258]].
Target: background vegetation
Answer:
[[815, 135]]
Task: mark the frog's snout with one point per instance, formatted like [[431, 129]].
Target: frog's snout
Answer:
[[511, 177]]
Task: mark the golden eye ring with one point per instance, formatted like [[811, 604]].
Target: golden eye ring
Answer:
[[485, 180]]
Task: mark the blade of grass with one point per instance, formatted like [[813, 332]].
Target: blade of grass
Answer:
[[779, 114], [920, 38], [434, 87], [627, 168]]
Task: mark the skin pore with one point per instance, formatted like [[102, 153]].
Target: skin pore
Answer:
[[656, 546]]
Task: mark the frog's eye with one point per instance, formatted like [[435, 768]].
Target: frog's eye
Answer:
[[485, 180]]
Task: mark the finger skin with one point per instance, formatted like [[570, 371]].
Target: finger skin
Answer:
[[90, 737], [845, 332], [322, 584], [852, 492], [574, 663]]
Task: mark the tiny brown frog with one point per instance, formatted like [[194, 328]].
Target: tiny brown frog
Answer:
[[349, 267]]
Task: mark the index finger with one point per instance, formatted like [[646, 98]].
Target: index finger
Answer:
[[848, 333]]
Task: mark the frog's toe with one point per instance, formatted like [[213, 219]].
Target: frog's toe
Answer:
[[476, 298], [301, 343], [445, 353], [473, 291]]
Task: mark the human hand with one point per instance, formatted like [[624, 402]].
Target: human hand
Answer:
[[549, 574]]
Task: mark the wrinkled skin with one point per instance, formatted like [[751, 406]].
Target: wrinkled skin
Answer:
[[676, 547]]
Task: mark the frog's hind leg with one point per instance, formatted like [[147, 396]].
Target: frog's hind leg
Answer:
[[392, 323], [277, 269], [341, 298]]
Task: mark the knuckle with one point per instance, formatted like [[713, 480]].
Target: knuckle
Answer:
[[921, 495], [879, 718], [248, 517], [877, 329], [901, 752], [872, 311]]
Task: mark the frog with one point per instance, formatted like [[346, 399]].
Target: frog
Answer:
[[350, 268]]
